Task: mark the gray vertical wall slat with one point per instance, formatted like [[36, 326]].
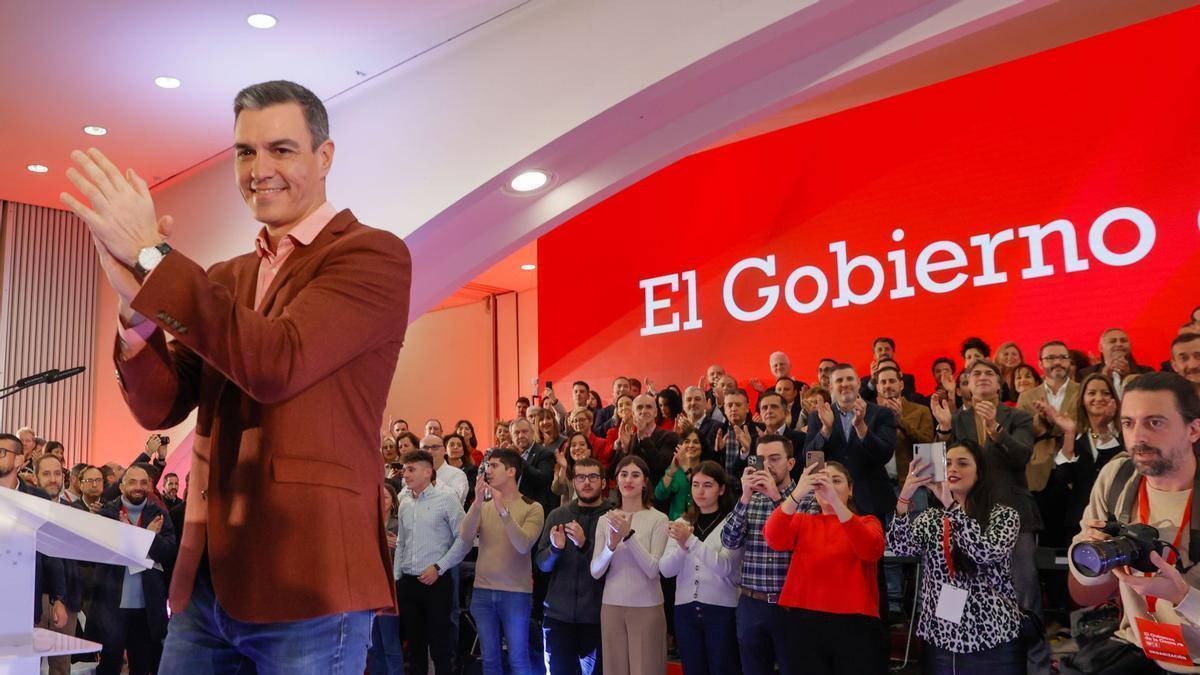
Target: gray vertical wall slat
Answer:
[[48, 320]]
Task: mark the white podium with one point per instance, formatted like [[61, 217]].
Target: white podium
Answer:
[[28, 525]]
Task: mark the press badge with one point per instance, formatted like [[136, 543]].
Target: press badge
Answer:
[[1164, 642], [952, 600]]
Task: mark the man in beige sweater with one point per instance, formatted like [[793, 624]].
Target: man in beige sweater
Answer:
[[1160, 420], [508, 525]]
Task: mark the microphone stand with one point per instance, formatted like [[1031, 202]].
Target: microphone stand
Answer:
[[47, 377]]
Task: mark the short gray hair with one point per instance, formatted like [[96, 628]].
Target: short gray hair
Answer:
[[275, 92]]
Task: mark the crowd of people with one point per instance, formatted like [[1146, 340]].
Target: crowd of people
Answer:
[[738, 529], [744, 529]]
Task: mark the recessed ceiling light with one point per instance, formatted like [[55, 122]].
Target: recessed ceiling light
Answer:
[[167, 82], [37, 168], [93, 130], [261, 20], [528, 268], [530, 181]]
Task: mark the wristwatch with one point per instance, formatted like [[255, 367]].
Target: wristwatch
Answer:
[[149, 258]]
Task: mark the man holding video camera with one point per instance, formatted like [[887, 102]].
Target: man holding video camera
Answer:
[[1160, 628]]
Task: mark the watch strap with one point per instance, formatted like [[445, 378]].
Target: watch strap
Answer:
[[140, 272]]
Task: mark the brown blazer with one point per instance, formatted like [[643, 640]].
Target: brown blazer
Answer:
[[914, 426], [1047, 438], [287, 480]]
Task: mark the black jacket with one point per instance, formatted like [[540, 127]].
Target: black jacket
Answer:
[[865, 458], [49, 576], [536, 476], [106, 602], [573, 596], [1006, 457]]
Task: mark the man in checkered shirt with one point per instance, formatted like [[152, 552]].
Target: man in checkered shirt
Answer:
[[761, 624]]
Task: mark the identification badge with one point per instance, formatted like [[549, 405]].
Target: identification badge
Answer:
[[952, 600], [1163, 642]]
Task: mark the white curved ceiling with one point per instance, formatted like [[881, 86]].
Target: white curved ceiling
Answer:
[[455, 96]]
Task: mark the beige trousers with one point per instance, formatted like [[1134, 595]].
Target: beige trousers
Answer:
[[59, 665], [633, 640]]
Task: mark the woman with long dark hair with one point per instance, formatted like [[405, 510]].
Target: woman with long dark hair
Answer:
[[675, 488], [970, 620], [670, 407], [832, 583], [458, 454], [1090, 439], [706, 596], [575, 447]]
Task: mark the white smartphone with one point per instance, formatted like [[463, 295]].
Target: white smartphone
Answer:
[[934, 455]]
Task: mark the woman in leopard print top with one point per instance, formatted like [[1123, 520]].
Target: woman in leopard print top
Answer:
[[981, 537]]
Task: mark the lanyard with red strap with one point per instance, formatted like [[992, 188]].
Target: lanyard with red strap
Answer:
[[1144, 516], [946, 545], [125, 515]]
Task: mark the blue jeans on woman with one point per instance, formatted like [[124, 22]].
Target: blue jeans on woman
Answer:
[[704, 636], [386, 656], [507, 613]]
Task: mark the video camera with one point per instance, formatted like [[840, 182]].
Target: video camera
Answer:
[[1131, 545]]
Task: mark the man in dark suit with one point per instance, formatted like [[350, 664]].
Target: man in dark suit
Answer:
[[538, 471], [129, 611], [1117, 361], [1006, 436], [51, 475], [860, 435], [287, 352], [695, 416], [775, 418]]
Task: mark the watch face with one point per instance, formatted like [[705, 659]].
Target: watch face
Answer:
[[149, 258]]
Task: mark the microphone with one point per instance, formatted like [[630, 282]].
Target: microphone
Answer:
[[30, 380], [62, 375]]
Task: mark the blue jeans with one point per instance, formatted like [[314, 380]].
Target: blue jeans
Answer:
[[204, 640], [387, 654], [503, 611], [762, 635], [702, 635]]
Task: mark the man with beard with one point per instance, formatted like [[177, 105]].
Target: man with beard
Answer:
[[914, 423], [1057, 394], [129, 611], [1155, 484], [49, 576], [50, 475], [170, 491], [1185, 357], [572, 620]]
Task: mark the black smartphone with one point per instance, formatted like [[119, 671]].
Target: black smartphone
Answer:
[[165, 440], [549, 384]]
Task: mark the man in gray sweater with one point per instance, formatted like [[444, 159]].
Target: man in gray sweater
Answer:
[[572, 622]]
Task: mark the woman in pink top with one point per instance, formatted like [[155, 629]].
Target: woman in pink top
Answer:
[[831, 589]]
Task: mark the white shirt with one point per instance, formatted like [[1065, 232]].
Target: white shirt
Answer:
[[454, 478], [1060, 458], [708, 572], [1054, 399]]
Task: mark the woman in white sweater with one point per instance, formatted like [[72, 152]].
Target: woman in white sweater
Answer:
[[706, 594], [629, 542]]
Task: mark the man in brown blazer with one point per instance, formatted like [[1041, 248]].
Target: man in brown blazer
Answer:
[[288, 353], [1058, 393]]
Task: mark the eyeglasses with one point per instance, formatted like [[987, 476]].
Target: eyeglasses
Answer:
[[587, 477], [1056, 357], [5, 452], [89, 481], [431, 447]]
